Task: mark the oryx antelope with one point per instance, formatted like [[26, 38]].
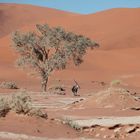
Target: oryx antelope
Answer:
[[75, 88]]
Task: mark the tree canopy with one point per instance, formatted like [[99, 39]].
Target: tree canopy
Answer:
[[49, 49]]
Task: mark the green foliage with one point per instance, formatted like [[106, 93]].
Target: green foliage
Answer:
[[52, 48]]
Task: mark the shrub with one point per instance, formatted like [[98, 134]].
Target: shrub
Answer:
[[21, 103], [4, 107], [60, 90], [115, 82], [38, 113], [71, 123], [8, 85]]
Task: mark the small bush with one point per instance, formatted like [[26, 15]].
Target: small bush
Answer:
[[4, 107], [115, 82], [59, 90], [72, 124], [21, 103], [8, 85], [38, 113]]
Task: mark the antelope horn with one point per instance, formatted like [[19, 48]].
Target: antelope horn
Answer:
[[77, 83]]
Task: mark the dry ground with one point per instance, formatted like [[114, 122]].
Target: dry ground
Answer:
[[117, 31], [88, 116]]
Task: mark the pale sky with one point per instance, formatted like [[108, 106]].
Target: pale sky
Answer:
[[80, 6]]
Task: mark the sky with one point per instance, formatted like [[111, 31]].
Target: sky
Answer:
[[80, 6]]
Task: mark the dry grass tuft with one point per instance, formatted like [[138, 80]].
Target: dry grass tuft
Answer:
[[4, 107], [8, 85], [58, 89], [21, 104]]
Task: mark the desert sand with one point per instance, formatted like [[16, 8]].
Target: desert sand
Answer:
[[117, 31]]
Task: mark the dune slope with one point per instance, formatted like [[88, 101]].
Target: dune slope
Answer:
[[116, 30], [15, 16]]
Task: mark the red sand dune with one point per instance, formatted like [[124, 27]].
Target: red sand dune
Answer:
[[116, 30], [112, 28], [13, 16]]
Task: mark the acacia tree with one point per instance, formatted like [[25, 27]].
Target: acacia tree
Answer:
[[49, 49]]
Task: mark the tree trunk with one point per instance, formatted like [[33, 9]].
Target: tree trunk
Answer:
[[44, 85]]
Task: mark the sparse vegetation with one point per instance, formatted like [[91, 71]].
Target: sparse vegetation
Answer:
[[38, 113], [21, 104], [115, 82], [58, 89], [4, 107], [8, 85], [71, 123], [52, 48]]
